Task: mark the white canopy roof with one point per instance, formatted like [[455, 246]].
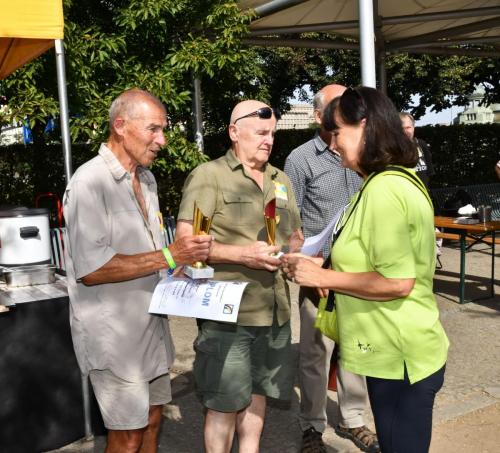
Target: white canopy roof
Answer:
[[380, 26], [400, 25]]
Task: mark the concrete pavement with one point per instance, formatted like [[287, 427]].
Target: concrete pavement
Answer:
[[472, 378]]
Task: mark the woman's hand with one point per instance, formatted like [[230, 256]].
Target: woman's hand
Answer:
[[302, 269], [322, 292]]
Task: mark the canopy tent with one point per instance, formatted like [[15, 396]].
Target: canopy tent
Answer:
[[378, 27], [27, 29]]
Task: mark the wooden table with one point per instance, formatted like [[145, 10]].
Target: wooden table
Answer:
[[477, 232]]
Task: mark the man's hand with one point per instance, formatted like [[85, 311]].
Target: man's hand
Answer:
[[259, 256], [189, 249], [295, 241]]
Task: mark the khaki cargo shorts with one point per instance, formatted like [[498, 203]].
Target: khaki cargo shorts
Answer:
[[233, 362], [125, 405]]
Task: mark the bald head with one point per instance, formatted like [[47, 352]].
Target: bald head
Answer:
[[327, 94], [244, 108], [251, 134], [130, 104]]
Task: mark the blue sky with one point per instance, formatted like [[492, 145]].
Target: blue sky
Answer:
[[444, 117]]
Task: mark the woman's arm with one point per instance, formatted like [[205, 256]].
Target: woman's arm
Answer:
[[365, 285]]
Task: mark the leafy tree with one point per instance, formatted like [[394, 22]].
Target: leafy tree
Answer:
[[157, 45], [160, 45], [438, 80]]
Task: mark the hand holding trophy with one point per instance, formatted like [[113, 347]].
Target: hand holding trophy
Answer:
[[201, 226]]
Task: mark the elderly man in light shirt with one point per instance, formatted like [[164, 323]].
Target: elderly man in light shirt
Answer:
[[114, 254]]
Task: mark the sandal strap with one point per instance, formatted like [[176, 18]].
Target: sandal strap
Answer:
[[363, 434]]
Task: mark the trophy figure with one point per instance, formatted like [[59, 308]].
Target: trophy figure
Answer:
[[271, 221], [201, 225], [270, 218]]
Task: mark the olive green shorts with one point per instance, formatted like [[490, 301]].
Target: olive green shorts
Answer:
[[233, 362]]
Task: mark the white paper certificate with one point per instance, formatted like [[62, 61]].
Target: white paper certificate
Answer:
[[216, 300], [314, 244]]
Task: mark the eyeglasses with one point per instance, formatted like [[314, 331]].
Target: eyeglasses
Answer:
[[264, 113]]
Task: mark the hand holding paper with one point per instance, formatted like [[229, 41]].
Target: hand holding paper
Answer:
[[314, 244], [219, 301]]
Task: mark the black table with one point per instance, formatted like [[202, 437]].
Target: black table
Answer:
[[41, 403]]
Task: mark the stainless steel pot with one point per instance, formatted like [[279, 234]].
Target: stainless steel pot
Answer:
[[39, 274], [24, 237]]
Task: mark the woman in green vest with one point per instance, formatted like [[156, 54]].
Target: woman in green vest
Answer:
[[382, 268]]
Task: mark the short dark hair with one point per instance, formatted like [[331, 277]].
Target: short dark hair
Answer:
[[385, 142]]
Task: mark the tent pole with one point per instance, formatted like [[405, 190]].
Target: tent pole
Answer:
[[63, 107], [367, 43], [380, 54], [197, 114], [275, 6], [382, 74]]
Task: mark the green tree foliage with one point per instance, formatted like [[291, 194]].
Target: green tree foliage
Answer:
[[438, 80], [154, 44], [157, 45], [160, 45]]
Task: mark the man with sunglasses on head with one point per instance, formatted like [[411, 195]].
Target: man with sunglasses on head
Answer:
[[322, 187], [238, 365]]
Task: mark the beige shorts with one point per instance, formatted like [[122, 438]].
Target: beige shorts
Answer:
[[125, 405]]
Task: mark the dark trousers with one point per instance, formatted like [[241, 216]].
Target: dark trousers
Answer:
[[403, 412]]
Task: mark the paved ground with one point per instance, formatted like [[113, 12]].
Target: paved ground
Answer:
[[467, 411]]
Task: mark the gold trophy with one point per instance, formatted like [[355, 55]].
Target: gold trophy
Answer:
[[271, 221], [270, 218], [201, 226]]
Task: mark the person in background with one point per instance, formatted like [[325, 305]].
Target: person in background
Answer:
[[383, 263], [424, 167], [115, 250], [238, 365], [322, 188], [497, 169]]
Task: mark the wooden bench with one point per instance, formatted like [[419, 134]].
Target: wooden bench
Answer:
[[456, 237]]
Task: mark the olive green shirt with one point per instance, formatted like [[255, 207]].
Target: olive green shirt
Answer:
[[224, 191]]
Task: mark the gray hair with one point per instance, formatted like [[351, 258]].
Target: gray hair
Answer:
[[403, 115], [125, 104], [318, 101]]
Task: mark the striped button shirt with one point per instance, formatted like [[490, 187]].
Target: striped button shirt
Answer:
[[321, 185]]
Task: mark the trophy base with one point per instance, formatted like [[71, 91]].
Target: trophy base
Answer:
[[199, 273]]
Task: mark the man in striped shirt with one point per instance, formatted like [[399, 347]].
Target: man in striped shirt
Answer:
[[322, 187]]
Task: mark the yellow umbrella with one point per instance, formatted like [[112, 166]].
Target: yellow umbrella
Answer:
[[27, 29]]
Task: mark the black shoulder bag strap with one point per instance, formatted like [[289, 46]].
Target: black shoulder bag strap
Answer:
[[414, 179], [330, 302]]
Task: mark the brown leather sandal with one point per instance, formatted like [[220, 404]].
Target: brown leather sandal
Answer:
[[364, 439], [312, 442]]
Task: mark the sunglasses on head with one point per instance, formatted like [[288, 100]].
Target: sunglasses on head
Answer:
[[352, 104], [264, 113], [351, 92]]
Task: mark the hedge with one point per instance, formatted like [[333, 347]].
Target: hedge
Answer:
[[462, 155]]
